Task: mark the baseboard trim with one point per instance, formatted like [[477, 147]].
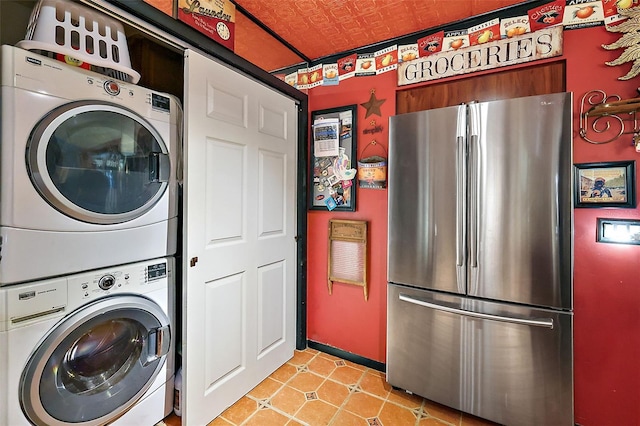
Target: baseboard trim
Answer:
[[376, 365]]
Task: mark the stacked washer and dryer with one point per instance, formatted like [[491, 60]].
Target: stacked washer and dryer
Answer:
[[88, 225]]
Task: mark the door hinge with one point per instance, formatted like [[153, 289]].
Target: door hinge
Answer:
[[193, 261]]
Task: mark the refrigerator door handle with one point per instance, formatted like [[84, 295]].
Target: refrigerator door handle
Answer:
[[461, 197], [461, 202], [474, 173], [546, 322]]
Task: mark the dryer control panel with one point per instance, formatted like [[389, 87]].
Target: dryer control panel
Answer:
[[51, 78]]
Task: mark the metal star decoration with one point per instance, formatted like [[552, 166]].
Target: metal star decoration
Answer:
[[373, 105]]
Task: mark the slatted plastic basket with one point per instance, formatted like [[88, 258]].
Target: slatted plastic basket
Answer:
[[81, 33]]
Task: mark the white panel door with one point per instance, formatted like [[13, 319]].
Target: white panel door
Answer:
[[239, 228]]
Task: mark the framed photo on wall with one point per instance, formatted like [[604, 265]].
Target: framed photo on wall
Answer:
[[608, 184], [333, 152]]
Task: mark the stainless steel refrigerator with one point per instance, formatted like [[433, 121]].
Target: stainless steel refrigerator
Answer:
[[480, 258]]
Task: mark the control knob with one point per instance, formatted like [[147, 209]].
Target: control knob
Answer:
[[106, 282], [111, 87]]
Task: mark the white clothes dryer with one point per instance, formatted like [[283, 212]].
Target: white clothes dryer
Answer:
[[88, 170], [89, 349]]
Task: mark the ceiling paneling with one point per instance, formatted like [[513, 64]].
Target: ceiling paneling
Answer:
[[257, 46], [319, 28]]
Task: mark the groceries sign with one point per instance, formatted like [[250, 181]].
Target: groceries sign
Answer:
[[542, 44]]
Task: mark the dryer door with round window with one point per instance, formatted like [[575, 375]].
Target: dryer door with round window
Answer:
[[96, 363], [98, 162]]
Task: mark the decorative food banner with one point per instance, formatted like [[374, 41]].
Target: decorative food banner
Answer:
[[485, 32], [582, 14], [547, 15], [347, 67], [564, 14], [386, 59], [454, 40], [408, 52], [515, 26], [430, 44], [365, 64]]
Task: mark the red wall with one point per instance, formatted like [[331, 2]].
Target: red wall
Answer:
[[606, 276], [344, 319]]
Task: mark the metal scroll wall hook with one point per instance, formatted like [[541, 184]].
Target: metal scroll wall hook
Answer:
[[602, 115]]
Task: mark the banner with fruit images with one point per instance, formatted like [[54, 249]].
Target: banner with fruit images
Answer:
[[330, 74], [610, 9], [347, 67], [515, 26], [315, 76], [583, 14], [485, 32], [365, 65], [386, 59], [407, 52], [430, 44], [562, 14], [547, 15], [302, 80]]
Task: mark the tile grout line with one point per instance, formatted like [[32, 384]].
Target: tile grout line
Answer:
[[420, 412], [351, 392], [306, 364], [353, 388], [284, 384]]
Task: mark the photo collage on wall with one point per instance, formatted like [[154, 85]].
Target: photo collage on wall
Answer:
[[332, 154]]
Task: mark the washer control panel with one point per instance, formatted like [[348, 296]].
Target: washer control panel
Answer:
[[134, 278], [42, 300]]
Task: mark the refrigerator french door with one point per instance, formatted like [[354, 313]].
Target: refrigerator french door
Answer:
[[480, 260]]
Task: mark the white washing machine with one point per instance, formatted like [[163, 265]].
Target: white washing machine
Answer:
[[87, 169], [93, 348]]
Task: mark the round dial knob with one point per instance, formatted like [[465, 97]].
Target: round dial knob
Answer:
[[111, 87], [106, 282]]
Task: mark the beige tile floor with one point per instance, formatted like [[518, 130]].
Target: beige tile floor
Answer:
[[318, 389]]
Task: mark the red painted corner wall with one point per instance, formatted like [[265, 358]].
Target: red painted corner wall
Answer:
[[344, 319], [606, 276]]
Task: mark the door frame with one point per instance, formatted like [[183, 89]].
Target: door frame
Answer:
[[160, 25]]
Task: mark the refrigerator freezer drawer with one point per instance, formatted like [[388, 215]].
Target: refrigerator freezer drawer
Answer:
[[506, 363]]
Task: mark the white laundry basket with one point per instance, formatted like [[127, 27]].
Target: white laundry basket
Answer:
[[78, 32]]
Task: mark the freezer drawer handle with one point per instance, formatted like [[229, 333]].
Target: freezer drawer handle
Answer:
[[548, 323]]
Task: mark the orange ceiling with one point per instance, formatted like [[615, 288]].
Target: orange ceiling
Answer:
[[319, 28]]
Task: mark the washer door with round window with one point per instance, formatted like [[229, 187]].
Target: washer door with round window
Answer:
[[98, 162], [96, 363]]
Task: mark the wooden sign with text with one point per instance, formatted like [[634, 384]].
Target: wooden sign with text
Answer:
[[542, 44]]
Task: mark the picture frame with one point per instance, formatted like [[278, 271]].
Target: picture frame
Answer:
[[605, 184], [333, 152]]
